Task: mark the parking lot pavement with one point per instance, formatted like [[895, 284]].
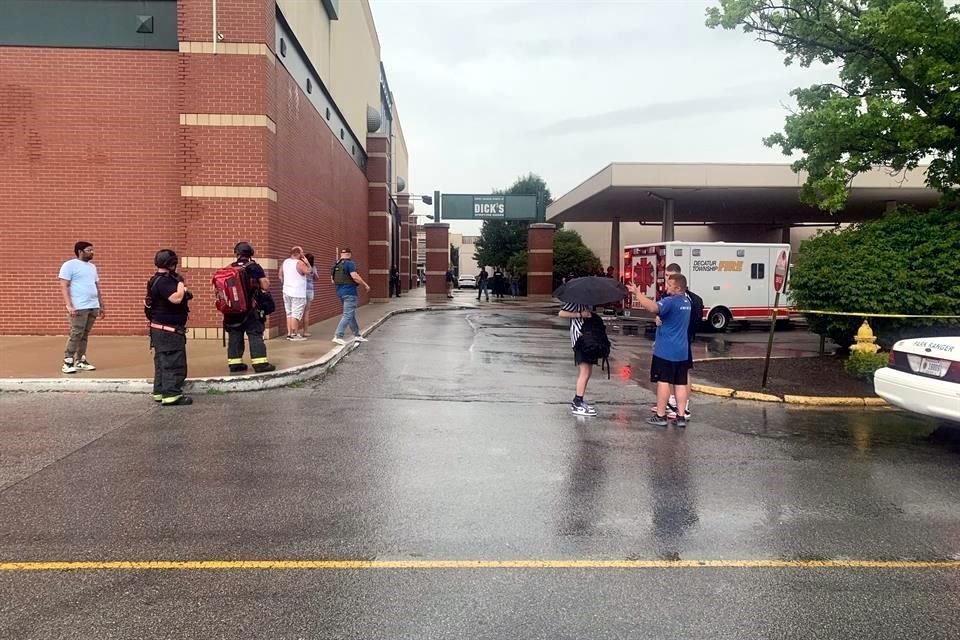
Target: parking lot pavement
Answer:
[[447, 438]]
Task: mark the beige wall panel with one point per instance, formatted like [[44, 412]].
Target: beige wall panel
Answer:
[[401, 161], [355, 64], [310, 24]]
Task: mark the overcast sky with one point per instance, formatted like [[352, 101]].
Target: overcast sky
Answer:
[[490, 90]]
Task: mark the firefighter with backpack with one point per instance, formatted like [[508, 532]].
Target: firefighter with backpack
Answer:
[[244, 300]]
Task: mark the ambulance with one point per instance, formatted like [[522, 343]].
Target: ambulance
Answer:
[[736, 280]]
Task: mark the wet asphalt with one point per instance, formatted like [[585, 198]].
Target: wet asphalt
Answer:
[[447, 437]]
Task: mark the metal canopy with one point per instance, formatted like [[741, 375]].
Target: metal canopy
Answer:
[[727, 194]]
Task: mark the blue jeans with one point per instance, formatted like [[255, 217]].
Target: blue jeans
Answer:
[[349, 316]]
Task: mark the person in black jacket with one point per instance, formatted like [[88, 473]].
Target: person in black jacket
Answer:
[[168, 311]]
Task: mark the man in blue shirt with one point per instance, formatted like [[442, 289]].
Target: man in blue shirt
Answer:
[[344, 275], [80, 287], [670, 365]]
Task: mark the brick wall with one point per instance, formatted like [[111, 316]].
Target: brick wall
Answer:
[[321, 194], [93, 149], [87, 139]]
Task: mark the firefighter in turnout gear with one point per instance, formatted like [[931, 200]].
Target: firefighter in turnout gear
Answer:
[[166, 307], [252, 322]]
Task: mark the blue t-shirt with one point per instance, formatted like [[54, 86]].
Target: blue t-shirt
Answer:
[[347, 289], [83, 280], [671, 341]]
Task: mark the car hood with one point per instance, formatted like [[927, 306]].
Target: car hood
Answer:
[[946, 348]]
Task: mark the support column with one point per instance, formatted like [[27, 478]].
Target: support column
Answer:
[[379, 234], [785, 234], [403, 205], [540, 261], [666, 230], [414, 252], [615, 259], [438, 259]]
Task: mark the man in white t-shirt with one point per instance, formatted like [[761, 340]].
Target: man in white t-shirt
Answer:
[[293, 275], [80, 287]]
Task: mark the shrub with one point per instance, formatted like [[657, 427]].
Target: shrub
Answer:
[[903, 263], [864, 365]]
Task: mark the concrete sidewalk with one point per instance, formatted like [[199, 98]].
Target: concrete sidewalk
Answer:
[[32, 363]]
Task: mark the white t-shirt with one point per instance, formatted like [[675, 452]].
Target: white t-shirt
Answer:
[[294, 282], [83, 280]]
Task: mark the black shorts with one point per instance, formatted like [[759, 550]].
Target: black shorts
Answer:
[[579, 358], [669, 371]]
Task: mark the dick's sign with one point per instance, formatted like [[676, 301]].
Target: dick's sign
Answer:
[[463, 206]]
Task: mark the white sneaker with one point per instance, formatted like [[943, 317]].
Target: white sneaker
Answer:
[[83, 365], [297, 338], [340, 341], [360, 339], [68, 367]]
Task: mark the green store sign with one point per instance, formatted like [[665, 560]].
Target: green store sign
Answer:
[[466, 206]]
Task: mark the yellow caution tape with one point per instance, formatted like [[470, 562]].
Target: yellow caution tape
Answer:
[[870, 315]]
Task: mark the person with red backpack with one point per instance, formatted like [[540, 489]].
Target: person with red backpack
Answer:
[[248, 315]]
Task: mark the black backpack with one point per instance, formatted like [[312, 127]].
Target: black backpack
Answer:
[[593, 342]]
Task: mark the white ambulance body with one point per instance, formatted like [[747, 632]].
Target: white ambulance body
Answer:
[[735, 280]]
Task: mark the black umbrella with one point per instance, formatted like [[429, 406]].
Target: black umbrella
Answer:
[[590, 291]]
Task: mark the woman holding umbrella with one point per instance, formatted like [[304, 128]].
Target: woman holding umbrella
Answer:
[[579, 296]]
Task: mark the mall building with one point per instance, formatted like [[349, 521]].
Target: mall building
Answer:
[[192, 125]]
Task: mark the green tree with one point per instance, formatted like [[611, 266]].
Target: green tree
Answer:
[[570, 255], [900, 264], [455, 260], [898, 98], [502, 239]]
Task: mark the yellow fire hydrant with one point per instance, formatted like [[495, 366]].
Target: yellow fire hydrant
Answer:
[[866, 341]]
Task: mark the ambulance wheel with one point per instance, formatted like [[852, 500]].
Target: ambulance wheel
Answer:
[[719, 319]]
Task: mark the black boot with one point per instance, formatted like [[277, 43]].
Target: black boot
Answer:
[[237, 368], [264, 368]]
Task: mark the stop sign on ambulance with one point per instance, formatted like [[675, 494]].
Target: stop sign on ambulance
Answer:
[[780, 273]]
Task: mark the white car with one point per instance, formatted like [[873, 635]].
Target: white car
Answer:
[[923, 376], [467, 282]]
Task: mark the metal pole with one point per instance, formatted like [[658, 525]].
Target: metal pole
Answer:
[[436, 206], [773, 326], [214, 26]]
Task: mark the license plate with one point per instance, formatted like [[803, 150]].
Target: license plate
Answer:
[[933, 367]]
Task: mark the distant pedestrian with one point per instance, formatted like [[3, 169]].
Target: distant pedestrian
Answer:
[[499, 283], [80, 287], [483, 279], [394, 281], [311, 281], [293, 276], [670, 351], [577, 313], [250, 324], [514, 285], [451, 282], [166, 304], [611, 272], [344, 275]]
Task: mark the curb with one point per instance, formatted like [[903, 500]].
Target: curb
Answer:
[[225, 384], [810, 401]]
